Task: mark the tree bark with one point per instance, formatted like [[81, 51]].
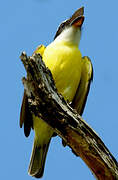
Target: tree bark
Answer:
[[46, 103]]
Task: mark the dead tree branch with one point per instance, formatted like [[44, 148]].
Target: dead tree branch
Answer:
[[46, 103]]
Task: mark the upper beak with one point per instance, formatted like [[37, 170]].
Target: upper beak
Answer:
[[77, 22]]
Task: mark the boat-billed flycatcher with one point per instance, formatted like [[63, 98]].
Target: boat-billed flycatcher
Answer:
[[72, 74]]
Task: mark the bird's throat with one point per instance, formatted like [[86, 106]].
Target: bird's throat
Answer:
[[71, 35]]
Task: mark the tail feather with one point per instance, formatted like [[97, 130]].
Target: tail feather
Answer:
[[38, 157]]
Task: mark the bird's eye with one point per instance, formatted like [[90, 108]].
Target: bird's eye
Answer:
[[60, 29], [62, 25]]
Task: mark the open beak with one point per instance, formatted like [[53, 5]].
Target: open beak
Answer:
[[77, 22]]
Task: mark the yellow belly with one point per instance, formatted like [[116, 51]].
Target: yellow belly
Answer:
[[64, 61]]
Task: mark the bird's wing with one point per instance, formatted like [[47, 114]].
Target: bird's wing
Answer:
[[80, 98], [40, 50], [25, 114]]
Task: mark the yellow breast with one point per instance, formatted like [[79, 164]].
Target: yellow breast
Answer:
[[64, 61]]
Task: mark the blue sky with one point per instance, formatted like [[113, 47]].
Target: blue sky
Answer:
[[24, 25]]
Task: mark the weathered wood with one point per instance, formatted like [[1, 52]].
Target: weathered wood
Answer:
[[46, 103]]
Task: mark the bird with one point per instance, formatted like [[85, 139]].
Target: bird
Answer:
[[72, 75]]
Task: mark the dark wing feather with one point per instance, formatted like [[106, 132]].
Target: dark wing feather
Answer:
[[80, 98], [26, 116]]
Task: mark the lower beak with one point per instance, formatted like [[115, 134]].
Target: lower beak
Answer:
[[78, 21]]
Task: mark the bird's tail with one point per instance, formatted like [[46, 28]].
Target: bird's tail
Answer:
[[37, 162]]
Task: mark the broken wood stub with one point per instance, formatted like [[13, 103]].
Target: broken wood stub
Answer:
[[46, 103]]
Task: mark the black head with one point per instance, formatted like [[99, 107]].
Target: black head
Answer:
[[74, 18]]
